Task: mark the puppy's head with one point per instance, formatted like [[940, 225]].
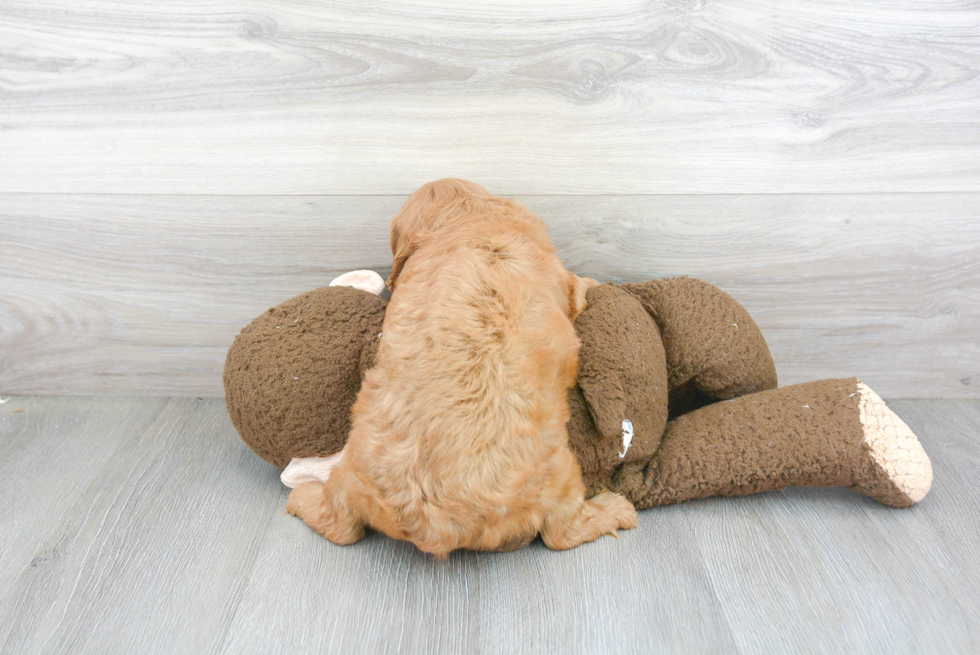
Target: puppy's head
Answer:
[[425, 211]]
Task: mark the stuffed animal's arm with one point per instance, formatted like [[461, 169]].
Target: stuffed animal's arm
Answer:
[[623, 378], [309, 469], [709, 338]]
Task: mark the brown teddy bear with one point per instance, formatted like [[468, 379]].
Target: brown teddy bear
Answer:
[[676, 398]]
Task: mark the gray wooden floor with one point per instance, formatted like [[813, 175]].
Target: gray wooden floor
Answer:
[[145, 525]]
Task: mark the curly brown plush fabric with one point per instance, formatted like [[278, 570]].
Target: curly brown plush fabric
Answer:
[[622, 377], [803, 435], [292, 376], [715, 351], [293, 373], [807, 435]]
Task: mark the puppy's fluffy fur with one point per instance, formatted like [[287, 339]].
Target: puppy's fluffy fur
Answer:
[[458, 437]]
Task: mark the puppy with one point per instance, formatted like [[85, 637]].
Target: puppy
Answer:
[[458, 435]]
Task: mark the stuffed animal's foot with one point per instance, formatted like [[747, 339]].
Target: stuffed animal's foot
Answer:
[[309, 469], [578, 521], [325, 509], [899, 472]]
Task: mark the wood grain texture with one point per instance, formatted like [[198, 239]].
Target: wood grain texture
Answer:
[[842, 571], [144, 294], [35, 489], [529, 98], [168, 535], [151, 547], [954, 431], [532, 600], [838, 570]]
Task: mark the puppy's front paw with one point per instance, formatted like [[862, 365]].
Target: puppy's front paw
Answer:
[[326, 511], [306, 502]]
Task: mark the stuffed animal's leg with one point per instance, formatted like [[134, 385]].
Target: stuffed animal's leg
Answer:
[[326, 508], [826, 433], [714, 349]]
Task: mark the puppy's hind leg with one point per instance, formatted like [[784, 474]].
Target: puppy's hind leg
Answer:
[[325, 507], [573, 520], [577, 521]]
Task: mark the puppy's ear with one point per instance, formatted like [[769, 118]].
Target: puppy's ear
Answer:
[[577, 288], [401, 249]]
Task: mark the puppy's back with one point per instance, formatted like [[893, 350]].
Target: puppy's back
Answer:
[[469, 398]]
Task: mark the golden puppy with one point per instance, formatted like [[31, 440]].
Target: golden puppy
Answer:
[[458, 437]]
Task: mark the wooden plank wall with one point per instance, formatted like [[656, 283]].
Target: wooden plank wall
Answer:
[[168, 172]]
